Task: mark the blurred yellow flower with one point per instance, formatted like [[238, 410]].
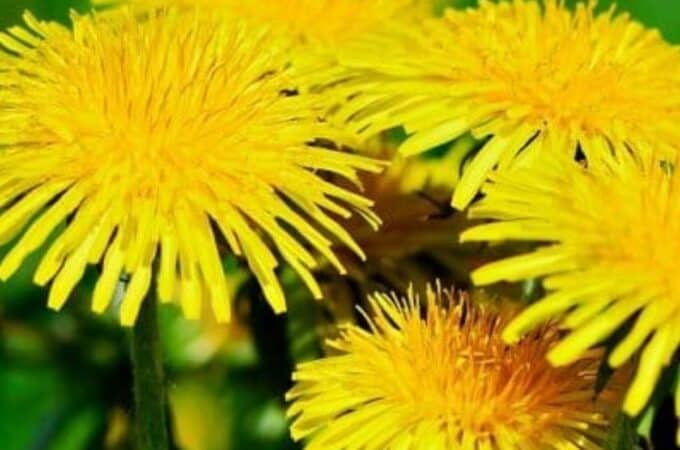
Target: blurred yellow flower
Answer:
[[418, 238], [147, 137], [612, 235], [201, 421], [437, 376], [410, 198], [532, 75], [317, 22], [432, 172]]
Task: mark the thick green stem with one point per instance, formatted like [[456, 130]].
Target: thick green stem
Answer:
[[149, 382]]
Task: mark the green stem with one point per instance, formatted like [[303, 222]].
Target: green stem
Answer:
[[149, 382]]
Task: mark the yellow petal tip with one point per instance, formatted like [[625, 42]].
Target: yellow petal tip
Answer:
[[510, 337], [557, 358], [482, 277], [460, 200], [632, 405]]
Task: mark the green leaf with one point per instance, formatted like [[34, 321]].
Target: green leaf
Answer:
[[532, 290], [302, 320], [78, 431], [667, 384], [622, 435], [644, 427]]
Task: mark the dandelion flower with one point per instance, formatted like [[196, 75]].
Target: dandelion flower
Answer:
[[438, 376], [153, 141], [531, 76], [612, 235]]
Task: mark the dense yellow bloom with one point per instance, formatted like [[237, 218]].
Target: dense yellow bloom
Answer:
[[534, 76], [148, 137], [444, 380], [612, 252], [322, 22]]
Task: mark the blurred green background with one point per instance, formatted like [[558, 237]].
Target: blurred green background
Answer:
[[661, 14], [64, 378]]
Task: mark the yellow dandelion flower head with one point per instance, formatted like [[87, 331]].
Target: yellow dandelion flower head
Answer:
[[436, 375], [162, 140], [313, 21], [610, 257], [534, 76]]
